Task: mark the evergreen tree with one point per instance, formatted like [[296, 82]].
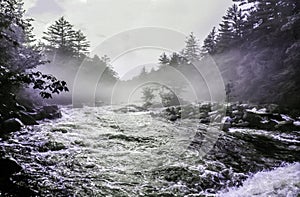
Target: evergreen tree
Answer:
[[163, 59], [175, 60], [80, 44], [209, 44], [191, 52], [231, 28], [60, 36]]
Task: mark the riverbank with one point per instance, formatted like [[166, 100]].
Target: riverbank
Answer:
[[16, 117]]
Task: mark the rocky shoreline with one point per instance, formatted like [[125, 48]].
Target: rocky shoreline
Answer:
[[14, 120], [234, 115]]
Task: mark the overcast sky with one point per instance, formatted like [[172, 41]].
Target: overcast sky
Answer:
[[101, 19]]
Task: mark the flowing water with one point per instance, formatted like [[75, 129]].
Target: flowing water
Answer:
[[100, 152]]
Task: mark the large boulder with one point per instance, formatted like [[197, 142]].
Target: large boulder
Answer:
[[26, 118], [49, 111], [8, 166], [12, 125]]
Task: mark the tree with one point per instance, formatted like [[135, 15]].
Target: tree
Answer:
[[80, 44], [60, 36], [175, 59], [231, 28], [191, 52], [163, 59], [148, 96], [209, 44], [18, 58]]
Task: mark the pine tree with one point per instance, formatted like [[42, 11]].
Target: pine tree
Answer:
[[191, 52], [80, 44], [231, 28], [209, 44], [175, 59], [163, 59], [60, 36]]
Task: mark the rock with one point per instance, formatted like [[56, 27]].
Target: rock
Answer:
[[12, 125], [51, 146], [50, 112], [8, 166], [173, 117], [62, 130], [26, 118], [242, 123], [205, 120], [20, 107], [226, 123], [253, 118], [205, 107], [50, 109]]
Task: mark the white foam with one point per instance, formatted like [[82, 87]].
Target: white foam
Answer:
[[282, 181]]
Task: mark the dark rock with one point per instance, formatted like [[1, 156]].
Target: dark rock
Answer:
[[253, 118], [242, 123], [12, 125], [205, 120], [51, 146], [8, 166], [26, 118], [62, 130], [20, 107], [50, 109], [50, 112], [205, 107], [173, 117]]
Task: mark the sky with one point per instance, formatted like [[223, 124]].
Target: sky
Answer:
[[105, 20]]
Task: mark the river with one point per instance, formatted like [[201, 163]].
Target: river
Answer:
[[100, 152]]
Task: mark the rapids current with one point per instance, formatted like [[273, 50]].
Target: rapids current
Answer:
[[100, 152]]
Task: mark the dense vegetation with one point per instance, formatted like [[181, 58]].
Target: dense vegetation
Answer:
[[19, 56]]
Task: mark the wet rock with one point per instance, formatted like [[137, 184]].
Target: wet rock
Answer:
[[205, 107], [173, 117], [12, 125], [241, 123], [26, 118], [50, 112], [8, 166], [62, 130], [226, 123], [205, 120], [51, 146]]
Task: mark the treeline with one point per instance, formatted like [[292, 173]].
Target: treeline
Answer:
[[256, 47]]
